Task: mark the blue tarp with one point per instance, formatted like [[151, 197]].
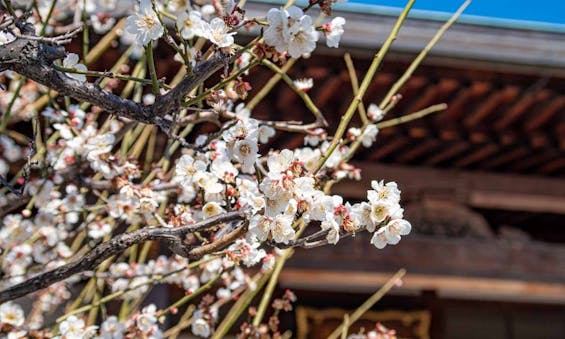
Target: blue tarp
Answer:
[[543, 11]]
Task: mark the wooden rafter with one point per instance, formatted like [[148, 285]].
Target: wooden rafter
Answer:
[[490, 105], [492, 191]]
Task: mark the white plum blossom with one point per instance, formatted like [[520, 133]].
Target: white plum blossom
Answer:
[[333, 31], [144, 24], [369, 135], [11, 314], [259, 227], [201, 328], [147, 321], [71, 62], [375, 113], [211, 209], [208, 182], [291, 31], [379, 239], [388, 192], [98, 229], [274, 34], [331, 225], [390, 234], [224, 170], [191, 24], [395, 228], [279, 162], [281, 228], [186, 169], [265, 133], [218, 33], [245, 152], [247, 252], [6, 37], [304, 84], [72, 328], [4, 168], [301, 37], [112, 328], [100, 144], [178, 6]]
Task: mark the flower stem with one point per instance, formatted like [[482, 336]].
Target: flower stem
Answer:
[[377, 60], [368, 303], [151, 65]]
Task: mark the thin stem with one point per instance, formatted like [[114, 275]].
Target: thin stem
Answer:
[[397, 85], [303, 95], [151, 65], [85, 35], [110, 75], [220, 84], [412, 116], [369, 303], [395, 122], [8, 112], [355, 86], [46, 22], [192, 295], [265, 301], [269, 85], [240, 306]]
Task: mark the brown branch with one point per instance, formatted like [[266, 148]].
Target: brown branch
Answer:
[[33, 58], [116, 246], [13, 202], [112, 186], [220, 244], [313, 240], [58, 40]]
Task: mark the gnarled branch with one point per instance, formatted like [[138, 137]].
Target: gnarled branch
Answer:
[[119, 244], [33, 58]]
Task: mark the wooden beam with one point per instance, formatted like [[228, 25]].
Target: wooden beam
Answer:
[[485, 190], [460, 266], [447, 286], [388, 148], [448, 153], [542, 157], [553, 166], [425, 147], [527, 101], [457, 107], [478, 155], [511, 155], [542, 118], [490, 105]]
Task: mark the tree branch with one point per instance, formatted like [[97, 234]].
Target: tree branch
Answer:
[[119, 244], [33, 58]]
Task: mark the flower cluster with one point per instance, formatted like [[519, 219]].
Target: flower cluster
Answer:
[[100, 174]]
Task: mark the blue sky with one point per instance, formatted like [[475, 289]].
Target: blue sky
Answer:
[[549, 11]]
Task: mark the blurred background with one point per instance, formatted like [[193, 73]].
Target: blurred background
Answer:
[[482, 182]]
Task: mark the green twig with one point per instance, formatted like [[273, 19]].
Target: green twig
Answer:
[[303, 95], [412, 116], [266, 299], [364, 86], [269, 85], [369, 303], [355, 87], [151, 65], [240, 306], [397, 85]]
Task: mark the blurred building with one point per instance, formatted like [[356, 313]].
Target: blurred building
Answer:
[[482, 182]]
